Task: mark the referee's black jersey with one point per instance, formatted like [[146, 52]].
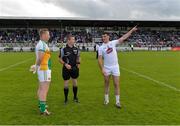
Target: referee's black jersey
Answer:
[[70, 55]]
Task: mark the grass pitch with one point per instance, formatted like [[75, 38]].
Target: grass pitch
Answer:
[[150, 91]]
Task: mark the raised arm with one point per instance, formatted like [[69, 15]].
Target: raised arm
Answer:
[[127, 35]]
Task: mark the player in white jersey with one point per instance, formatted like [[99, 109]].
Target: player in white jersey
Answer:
[[43, 69], [108, 63]]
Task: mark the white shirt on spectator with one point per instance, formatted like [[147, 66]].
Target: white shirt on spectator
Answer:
[[97, 47]]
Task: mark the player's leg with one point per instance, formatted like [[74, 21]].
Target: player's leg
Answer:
[[38, 94], [116, 84], [66, 91], [116, 81], [106, 84], [38, 91], [75, 90], [44, 82], [43, 91], [106, 89], [117, 89], [74, 75], [66, 77]]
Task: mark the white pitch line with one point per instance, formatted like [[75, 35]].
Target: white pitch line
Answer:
[[13, 65], [151, 79]]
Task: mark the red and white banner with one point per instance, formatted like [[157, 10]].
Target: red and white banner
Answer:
[[175, 48]]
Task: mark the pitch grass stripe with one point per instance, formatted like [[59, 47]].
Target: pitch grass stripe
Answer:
[[151, 79], [13, 65]]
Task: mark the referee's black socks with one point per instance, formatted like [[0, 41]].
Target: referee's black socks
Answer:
[[75, 89], [66, 90]]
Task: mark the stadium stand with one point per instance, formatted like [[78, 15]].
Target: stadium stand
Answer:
[[22, 34]]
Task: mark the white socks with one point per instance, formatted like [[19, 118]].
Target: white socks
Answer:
[[117, 99], [106, 97]]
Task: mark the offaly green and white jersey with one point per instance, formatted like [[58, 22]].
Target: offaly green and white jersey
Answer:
[[46, 61]]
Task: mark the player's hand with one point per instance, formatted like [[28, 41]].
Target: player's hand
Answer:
[[33, 69], [134, 29], [103, 72], [68, 66]]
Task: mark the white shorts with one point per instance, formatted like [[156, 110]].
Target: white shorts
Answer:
[[44, 75], [113, 70]]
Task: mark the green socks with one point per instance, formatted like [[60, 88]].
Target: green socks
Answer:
[[42, 106]]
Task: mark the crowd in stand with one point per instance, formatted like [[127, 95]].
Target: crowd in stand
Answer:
[[142, 38], [29, 37], [155, 37]]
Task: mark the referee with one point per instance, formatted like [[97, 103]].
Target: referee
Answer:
[[69, 56]]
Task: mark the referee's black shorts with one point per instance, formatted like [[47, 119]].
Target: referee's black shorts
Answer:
[[73, 73]]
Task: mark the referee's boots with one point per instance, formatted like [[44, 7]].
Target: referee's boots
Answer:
[[76, 100]]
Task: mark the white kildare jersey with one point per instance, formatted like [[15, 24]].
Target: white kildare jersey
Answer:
[[109, 53]]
